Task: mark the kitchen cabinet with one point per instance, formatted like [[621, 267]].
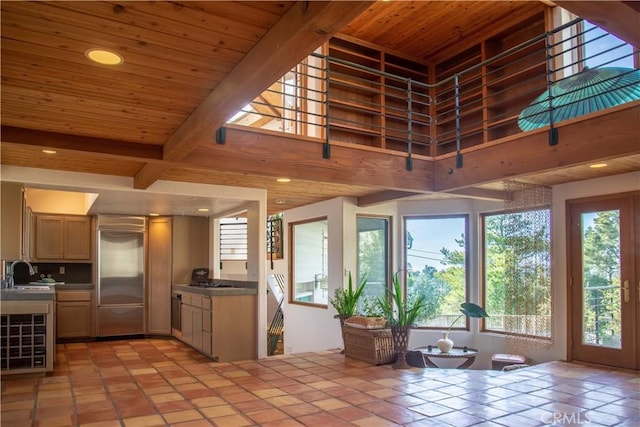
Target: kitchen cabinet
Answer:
[[233, 328], [190, 246], [11, 221], [159, 275], [207, 338], [62, 237], [192, 319], [223, 327], [73, 314]]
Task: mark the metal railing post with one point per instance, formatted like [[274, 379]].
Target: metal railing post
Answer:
[[553, 132], [409, 128], [456, 80], [326, 147]]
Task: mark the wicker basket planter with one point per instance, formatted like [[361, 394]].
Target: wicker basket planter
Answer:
[[373, 346]]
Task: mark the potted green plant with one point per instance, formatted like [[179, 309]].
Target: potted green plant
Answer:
[[469, 309], [401, 314], [345, 301]]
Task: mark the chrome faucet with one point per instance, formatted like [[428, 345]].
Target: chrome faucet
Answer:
[[13, 264]]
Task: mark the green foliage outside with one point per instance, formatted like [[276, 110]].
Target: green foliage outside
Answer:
[[517, 275], [444, 289], [400, 311], [601, 277], [517, 271]]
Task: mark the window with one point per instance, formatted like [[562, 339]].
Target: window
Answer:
[[309, 242], [436, 265], [373, 256], [517, 276], [233, 239]]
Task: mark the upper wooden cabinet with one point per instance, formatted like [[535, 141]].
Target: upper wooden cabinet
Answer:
[[11, 221], [159, 276], [62, 237]]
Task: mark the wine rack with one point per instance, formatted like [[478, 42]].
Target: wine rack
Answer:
[[23, 341]]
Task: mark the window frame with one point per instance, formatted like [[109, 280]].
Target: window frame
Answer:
[[388, 249], [467, 260], [292, 260]]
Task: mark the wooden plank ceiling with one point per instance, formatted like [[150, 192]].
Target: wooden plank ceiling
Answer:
[[188, 67]]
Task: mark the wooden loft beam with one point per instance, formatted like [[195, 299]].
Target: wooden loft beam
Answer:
[[608, 134], [302, 29], [276, 154], [621, 18], [254, 153]]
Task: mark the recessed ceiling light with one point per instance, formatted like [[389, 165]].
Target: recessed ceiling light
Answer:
[[598, 165], [279, 202], [283, 179], [104, 57], [49, 151], [203, 210]]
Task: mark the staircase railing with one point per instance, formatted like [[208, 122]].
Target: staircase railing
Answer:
[[276, 327]]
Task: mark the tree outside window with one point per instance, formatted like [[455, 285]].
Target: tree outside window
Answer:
[[601, 275], [517, 276], [436, 266]]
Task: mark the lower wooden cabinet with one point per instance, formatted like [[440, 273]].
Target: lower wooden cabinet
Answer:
[[234, 327], [73, 314], [222, 327], [191, 317]]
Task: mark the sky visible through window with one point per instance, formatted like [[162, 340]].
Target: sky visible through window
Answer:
[[429, 235], [605, 50]]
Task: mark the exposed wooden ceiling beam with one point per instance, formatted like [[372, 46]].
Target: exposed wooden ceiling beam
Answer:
[[384, 197], [255, 153], [480, 193], [621, 18], [609, 134], [74, 142], [302, 29]]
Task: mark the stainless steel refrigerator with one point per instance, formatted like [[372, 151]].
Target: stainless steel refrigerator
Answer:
[[121, 261]]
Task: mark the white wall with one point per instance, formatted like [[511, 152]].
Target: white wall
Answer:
[[309, 329]]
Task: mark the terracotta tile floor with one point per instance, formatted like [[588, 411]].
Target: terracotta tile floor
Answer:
[[155, 382]]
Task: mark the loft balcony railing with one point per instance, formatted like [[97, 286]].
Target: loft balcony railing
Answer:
[[558, 75]]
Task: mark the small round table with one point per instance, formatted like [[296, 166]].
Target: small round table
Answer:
[[433, 352]]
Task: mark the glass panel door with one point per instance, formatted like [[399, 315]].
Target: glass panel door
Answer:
[[603, 301], [601, 313]]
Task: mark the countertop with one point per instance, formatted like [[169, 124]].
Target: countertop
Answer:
[[214, 292], [74, 286], [47, 293]]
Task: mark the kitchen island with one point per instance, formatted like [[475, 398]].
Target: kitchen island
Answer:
[[27, 323], [219, 322]]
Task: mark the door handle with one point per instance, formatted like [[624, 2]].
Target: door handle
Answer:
[[626, 291]]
